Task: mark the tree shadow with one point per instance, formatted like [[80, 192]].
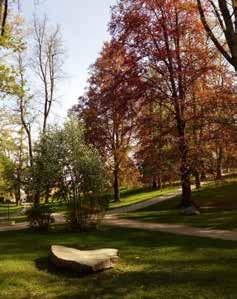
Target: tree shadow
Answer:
[[45, 264]]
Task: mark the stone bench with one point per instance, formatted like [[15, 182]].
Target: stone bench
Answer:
[[83, 261]]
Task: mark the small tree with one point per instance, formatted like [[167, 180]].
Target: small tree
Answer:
[[46, 170], [66, 167], [84, 179], [39, 217]]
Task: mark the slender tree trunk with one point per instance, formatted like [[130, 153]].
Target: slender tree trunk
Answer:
[[116, 185], [219, 163], [203, 176], [18, 195], [186, 186], [30, 148], [23, 110], [46, 201], [171, 179], [18, 187], [185, 169], [37, 198], [4, 13], [196, 142], [160, 183], [154, 183], [197, 180]]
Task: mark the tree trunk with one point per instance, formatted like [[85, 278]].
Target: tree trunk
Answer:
[[185, 169], [37, 198], [30, 148], [219, 164], [197, 180], [186, 187], [154, 183], [46, 201], [18, 196], [160, 183], [116, 185], [4, 13], [203, 176]]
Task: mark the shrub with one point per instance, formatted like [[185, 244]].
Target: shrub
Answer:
[[87, 213], [39, 217]]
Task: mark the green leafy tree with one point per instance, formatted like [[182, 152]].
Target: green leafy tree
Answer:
[[46, 169], [84, 177], [66, 167], [11, 41]]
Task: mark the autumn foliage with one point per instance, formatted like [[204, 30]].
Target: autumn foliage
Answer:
[[160, 95]]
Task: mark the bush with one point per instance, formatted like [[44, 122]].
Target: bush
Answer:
[[86, 214], [39, 217]]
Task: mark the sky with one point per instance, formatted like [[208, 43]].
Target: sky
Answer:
[[84, 28]]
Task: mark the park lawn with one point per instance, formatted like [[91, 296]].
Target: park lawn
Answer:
[[130, 197], [18, 219], [217, 202], [13, 208], [58, 206], [152, 265]]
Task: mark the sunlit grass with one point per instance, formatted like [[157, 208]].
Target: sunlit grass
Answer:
[[128, 197], [141, 195], [13, 208], [152, 265], [218, 205]]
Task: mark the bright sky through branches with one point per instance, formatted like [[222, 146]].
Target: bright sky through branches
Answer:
[[84, 28]]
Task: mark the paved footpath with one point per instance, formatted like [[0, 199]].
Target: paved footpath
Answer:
[[113, 219], [177, 229], [17, 226], [143, 204]]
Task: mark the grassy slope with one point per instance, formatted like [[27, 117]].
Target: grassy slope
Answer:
[[130, 197], [218, 205], [153, 265]]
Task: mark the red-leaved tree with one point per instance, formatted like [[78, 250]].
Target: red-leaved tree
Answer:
[[172, 52], [108, 108]]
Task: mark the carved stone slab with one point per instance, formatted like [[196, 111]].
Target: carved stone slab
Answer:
[[83, 261]]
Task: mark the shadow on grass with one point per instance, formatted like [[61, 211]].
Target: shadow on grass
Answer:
[[28, 242], [45, 264], [173, 283], [152, 265], [217, 203]]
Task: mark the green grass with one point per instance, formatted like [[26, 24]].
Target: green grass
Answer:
[[152, 265], [17, 219], [218, 205], [129, 197], [57, 206], [13, 208]]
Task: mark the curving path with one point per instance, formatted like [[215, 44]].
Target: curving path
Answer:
[[113, 219], [9, 227], [177, 229], [143, 204]]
